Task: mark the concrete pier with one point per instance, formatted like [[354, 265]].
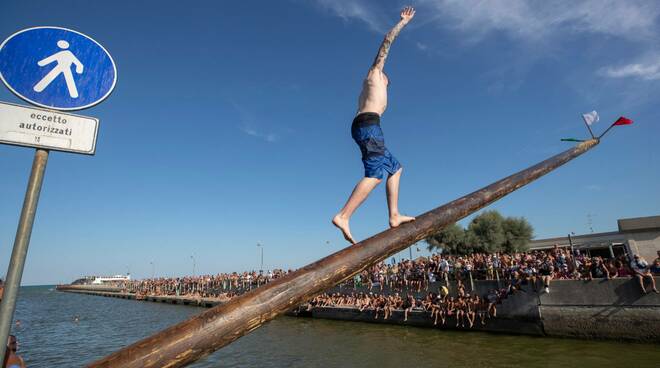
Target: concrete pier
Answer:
[[596, 309], [112, 292]]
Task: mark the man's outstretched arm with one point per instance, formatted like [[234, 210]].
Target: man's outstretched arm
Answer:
[[406, 15]]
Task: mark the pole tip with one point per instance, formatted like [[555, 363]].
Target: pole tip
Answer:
[[590, 142]]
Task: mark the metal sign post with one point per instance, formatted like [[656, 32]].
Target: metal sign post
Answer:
[[21, 243], [57, 69]]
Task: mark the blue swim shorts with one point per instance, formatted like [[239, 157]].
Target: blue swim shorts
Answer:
[[376, 158]]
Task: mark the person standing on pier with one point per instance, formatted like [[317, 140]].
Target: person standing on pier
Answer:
[[366, 131]]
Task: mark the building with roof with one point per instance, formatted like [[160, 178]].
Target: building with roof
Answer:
[[639, 235]]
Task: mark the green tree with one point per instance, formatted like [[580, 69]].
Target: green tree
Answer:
[[450, 239], [517, 232], [486, 232]]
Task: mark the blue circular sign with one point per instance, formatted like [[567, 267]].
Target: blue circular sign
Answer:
[[57, 68]]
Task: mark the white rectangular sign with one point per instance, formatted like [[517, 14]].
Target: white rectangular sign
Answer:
[[47, 129]]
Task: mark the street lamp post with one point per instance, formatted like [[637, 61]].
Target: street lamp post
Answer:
[[261, 268], [153, 269], [193, 259], [570, 242]]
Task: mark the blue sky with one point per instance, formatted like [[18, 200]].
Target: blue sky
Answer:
[[230, 125]]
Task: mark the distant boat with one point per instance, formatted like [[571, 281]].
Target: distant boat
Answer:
[[106, 279], [100, 280]]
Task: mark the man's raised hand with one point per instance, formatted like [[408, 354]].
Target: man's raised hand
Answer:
[[407, 14]]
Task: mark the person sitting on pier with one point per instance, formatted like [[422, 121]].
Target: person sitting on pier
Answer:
[[612, 270], [438, 309], [598, 269], [642, 271], [408, 306], [655, 268], [547, 269], [461, 311], [365, 130], [493, 298], [471, 310], [379, 305]]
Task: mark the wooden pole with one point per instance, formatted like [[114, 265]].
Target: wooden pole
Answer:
[[207, 332]]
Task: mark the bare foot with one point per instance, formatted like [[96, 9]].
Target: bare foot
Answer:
[[397, 220], [342, 224]]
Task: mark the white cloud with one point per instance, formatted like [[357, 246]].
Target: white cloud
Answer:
[[355, 9], [593, 187], [537, 20], [647, 71], [520, 19], [271, 137], [541, 28], [249, 124], [268, 137]]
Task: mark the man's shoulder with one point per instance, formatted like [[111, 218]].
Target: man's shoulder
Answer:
[[375, 72]]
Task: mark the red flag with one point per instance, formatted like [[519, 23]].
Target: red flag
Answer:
[[622, 121]]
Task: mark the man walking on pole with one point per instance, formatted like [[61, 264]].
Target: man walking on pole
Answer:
[[366, 131]]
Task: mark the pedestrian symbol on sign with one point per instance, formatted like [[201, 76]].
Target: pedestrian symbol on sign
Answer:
[[64, 60], [57, 68]]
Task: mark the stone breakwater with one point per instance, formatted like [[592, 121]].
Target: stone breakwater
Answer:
[[596, 309]]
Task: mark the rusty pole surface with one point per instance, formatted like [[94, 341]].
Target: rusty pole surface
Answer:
[[207, 332]]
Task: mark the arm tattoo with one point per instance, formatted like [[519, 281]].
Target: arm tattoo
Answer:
[[379, 62]]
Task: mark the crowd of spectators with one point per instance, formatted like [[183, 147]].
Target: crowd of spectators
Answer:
[[466, 308], [513, 271], [222, 285], [537, 268]]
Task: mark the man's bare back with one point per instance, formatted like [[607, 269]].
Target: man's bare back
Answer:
[[373, 97]]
